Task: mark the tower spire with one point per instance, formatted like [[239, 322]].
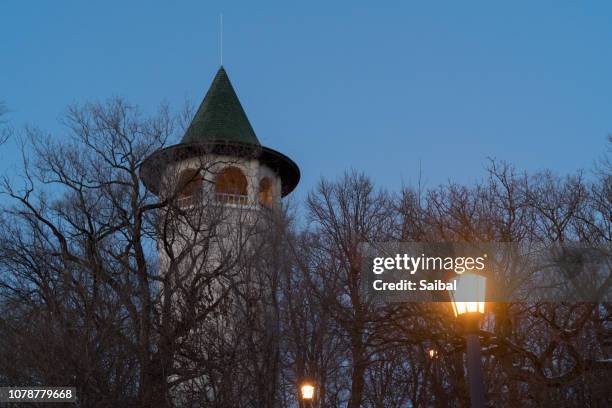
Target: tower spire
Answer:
[[220, 117]]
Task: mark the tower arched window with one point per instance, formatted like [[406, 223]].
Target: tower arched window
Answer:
[[231, 186], [265, 192], [190, 184]]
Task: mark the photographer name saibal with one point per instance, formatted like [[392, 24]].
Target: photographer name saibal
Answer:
[[423, 284]]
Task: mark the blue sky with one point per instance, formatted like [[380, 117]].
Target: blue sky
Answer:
[[336, 85]]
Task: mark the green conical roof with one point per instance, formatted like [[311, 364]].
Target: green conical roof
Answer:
[[220, 117]]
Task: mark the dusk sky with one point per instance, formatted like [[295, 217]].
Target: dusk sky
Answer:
[[336, 85]]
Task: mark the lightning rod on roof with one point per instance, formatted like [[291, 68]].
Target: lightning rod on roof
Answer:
[[221, 37]]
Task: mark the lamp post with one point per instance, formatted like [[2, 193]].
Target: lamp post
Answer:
[[307, 390], [468, 301]]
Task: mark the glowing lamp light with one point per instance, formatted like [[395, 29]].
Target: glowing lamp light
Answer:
[[433, 353], [307, 391], [470, 294]]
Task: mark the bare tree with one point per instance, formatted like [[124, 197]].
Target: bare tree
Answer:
[[510, 207], [94, 305], [346, 214], [175, 299]]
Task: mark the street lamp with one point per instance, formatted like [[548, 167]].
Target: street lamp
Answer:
[[468, 301], [470, 295], [307, 390]]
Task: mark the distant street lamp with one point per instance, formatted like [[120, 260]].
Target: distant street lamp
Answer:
[[438, 391], [307, 391], [469, 306]]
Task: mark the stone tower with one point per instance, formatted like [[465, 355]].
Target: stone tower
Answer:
[[218, 188]]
